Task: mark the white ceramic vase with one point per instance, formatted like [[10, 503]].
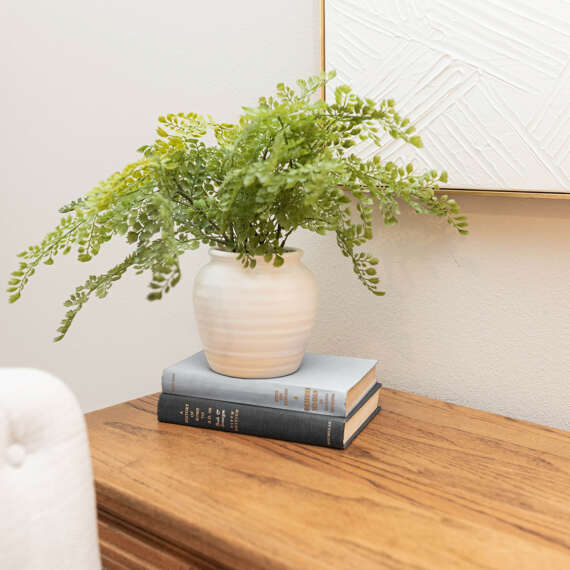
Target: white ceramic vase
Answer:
[[255, 323]]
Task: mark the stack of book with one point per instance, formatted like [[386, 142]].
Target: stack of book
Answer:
[[328, 401]]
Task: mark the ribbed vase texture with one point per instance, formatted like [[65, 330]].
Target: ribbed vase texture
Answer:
[[255, 323]]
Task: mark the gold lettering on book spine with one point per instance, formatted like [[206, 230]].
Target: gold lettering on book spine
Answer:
[[234, 420]]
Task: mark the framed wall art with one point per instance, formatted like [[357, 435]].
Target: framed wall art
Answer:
[[487, 84]]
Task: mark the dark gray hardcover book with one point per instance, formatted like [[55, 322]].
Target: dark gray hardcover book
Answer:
[[316, 429], [323, 384]]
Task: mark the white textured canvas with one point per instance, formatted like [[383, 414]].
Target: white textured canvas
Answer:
[[486, 82]]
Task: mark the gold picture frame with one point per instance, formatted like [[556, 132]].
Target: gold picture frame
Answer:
[[455, 191]]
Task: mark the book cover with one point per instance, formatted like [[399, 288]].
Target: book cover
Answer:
[[316, 429], [320, 385]]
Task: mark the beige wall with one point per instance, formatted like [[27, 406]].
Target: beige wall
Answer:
[[82, 86], [482, 320]]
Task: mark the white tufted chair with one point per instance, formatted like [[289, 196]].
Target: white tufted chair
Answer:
[[47, 501]]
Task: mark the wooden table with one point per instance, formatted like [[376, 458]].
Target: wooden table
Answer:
[[427, 485]]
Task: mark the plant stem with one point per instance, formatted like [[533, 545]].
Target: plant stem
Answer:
[[287, 236]]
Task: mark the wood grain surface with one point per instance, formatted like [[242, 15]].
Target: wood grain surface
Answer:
[[427, 485]]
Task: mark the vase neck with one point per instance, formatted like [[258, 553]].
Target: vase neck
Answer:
[[290, 256]]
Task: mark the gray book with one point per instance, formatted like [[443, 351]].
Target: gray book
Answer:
[[324, 384]]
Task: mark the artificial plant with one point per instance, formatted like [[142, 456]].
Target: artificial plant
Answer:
[[287, 164]]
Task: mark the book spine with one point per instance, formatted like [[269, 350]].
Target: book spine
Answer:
[[264, 393], [315, 429]]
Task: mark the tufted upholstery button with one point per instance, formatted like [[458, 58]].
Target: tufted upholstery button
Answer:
[[15, 454]]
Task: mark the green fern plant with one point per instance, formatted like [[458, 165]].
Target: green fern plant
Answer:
[[285, 165]]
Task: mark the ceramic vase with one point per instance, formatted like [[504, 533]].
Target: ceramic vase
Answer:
[[255, 323]]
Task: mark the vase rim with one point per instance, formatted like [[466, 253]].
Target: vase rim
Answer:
[[289, 253]]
